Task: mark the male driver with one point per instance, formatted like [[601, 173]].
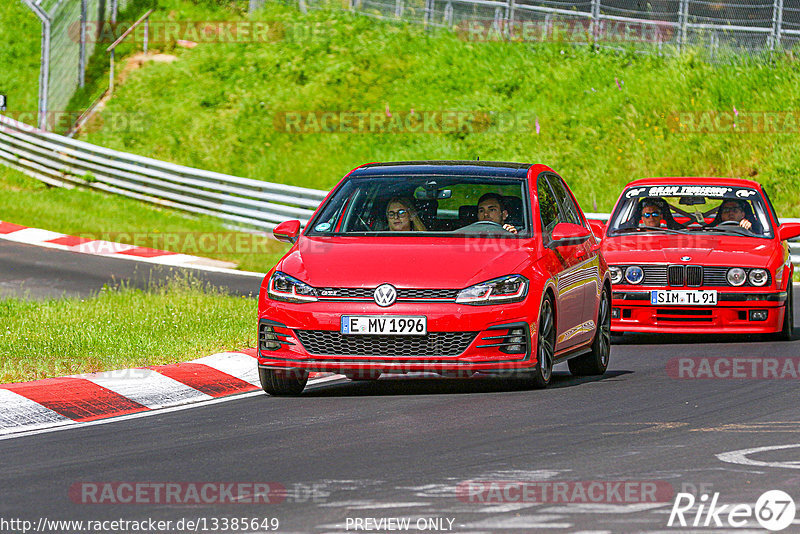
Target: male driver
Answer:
[[492, 208], [732, 210], [651, 213]]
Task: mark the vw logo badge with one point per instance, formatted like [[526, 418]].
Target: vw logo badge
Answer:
[[385, 295], [686, 258]]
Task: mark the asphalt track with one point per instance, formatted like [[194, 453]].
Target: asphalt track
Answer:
[[400, 448], [35, 272]]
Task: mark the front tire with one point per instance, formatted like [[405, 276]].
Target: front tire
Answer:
[[545, 345], [279, 383], [596, 362], [788, 317]]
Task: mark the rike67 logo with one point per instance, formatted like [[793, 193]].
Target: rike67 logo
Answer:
[[774, 511]]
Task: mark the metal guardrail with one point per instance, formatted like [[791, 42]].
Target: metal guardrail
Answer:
[[65, 162]]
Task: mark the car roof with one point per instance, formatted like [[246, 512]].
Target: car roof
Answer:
[[445, 168], [692, 180]]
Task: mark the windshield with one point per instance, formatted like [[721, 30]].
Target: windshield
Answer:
[[436, 205], [691, 209]]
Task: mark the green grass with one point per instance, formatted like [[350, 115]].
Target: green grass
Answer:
[[120, 328], [20, 35], [219, 101], [92, 214]]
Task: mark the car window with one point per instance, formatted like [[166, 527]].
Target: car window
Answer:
[[569, 211], [548, 208], [692, 209], [394, 205]]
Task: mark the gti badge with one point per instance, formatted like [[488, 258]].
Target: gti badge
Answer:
[[686, 258], [385, 295]]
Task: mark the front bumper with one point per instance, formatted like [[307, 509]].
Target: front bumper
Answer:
[[461, 339], [632, 312]]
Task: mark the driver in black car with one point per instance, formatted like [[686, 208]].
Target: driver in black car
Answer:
[[492, 208], [733, 210]]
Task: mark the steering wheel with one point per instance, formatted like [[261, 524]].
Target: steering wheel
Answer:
[[729, 223], [482, 226]]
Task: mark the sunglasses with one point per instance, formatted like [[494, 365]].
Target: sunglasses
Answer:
[[396, 214], [653, 214]]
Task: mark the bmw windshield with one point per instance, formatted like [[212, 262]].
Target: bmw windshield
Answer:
[[691, 209], [426, 205]]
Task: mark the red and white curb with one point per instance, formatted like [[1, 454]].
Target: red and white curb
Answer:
[[82, 399], [46, 238]]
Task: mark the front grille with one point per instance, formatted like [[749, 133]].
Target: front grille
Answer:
[[675, 275], [366, 293], [694, 275], [715, 276], [655, 275], [684, 315], [688, 275], [332, 343]]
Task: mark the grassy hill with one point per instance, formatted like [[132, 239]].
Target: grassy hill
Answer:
[[603, 117]]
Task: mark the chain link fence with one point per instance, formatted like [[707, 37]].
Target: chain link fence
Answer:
[[662, 26], [66, 47]]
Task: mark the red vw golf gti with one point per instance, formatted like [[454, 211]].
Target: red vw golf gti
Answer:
[[445, 267], [693, 255]]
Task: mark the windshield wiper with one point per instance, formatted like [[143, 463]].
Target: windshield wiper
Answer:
[[649, 228], [740, 230]]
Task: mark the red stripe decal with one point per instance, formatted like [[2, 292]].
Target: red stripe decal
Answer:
[[7, 228], [69, 240], [204, 378], [76, 398], [147, 252]]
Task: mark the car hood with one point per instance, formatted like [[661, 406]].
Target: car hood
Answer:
[[724, 250], [427, 263]]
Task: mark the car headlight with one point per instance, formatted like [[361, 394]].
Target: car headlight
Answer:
[[736, 276], [616, 274], [634, 274], [289, 289], [758, 277], [501, 290]]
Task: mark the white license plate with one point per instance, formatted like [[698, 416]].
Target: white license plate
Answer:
[[684, 298], [384, 325]]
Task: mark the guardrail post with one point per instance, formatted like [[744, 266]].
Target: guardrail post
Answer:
[[426, 19], [595, 20], [777, 22], [683, 21], [111, 73], [398, 9], [510, 18], [146, 34], [82, 50]]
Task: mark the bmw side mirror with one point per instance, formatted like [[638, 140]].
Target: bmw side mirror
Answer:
[[566, 234], [598, 228], [788, 231], [287, 231]]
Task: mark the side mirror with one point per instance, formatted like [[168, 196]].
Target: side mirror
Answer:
[[598, 227], [788, 231], [287, 231], [565, 234]]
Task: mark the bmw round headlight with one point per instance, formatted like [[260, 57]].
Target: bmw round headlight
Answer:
[[634, 274], [616, 274], [758, 277], [736, 276]]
